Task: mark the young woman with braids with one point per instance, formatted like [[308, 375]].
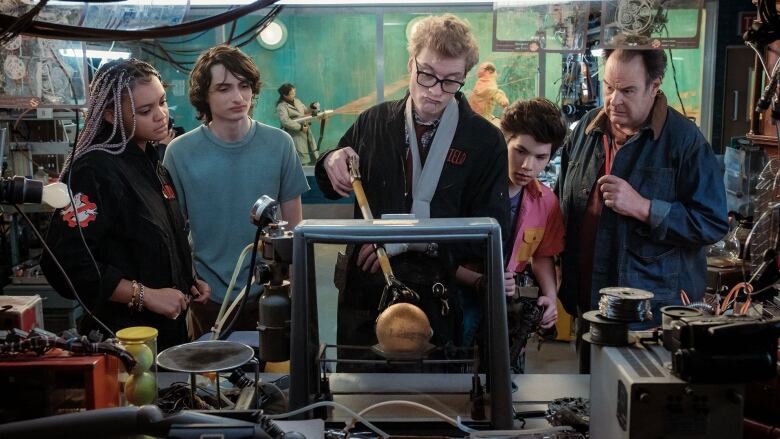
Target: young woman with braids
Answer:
[[123, 240]]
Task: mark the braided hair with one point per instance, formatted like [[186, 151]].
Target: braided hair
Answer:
[[111, 81]]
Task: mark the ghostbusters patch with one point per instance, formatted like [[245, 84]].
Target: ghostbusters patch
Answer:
[[86, 211], [456, 157]]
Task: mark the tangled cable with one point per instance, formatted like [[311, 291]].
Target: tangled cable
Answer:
[[733, 295], [57, 31], [40, 342]]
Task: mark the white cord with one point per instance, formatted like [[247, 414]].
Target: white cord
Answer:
[[309, 407], [760, 58], [221, 322], [236, 270], [454, 422]]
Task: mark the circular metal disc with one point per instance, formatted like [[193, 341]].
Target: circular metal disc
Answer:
[[678, 312], [205, 356], [626, 293]]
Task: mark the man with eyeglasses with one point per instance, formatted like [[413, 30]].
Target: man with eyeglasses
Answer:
[[427, 154]]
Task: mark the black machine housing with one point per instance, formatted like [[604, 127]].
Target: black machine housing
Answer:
[[308, 386], [724, 349]]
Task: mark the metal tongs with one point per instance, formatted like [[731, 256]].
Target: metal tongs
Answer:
[[394, 290]]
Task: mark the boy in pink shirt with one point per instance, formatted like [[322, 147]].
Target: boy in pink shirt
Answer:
[[533, 131]]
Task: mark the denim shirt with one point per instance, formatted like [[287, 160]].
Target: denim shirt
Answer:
[[675, 168]]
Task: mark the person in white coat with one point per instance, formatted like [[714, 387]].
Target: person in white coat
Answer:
[[289, 108]]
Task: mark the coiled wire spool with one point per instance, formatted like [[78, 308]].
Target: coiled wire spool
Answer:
[[625, 304], [605, 332]]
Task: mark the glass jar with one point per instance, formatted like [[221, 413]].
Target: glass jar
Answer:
[[727, 249], [140, 384]]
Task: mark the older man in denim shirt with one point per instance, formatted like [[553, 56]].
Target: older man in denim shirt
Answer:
[[641, 192]]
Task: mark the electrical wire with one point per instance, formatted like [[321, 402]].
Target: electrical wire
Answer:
[[221, 321], [78, 223], [67, 76], [734, 294], [22, 22], [760, 58], [236, 270], [250, 277], [674, 72], [69, 32], [232, 30], [188, 40], [315, 405], [168, 58], [83, 240], [684, 298], [452, 421], [676, 86], [62, 270], [244, 38]]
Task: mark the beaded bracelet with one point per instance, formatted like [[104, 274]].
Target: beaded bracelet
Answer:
[[140, 306], [133, 303]]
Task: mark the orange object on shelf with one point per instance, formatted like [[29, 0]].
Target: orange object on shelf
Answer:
[[58, 383]]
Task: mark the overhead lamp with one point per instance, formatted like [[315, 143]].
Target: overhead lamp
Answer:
[[273, 36]]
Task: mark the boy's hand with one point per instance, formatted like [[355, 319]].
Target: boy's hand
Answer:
[[509, 283], [550, 315]]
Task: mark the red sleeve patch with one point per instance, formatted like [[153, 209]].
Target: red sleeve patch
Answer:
[[86, 211]]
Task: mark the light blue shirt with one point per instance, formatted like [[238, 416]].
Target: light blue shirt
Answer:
[[217, 183]]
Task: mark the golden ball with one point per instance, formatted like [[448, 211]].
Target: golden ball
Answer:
[[403, 328]]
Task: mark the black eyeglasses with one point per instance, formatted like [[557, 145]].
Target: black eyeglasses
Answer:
[[429, 80]]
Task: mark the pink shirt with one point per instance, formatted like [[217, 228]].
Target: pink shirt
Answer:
[[539, 229]]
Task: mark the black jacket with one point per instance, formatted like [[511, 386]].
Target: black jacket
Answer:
[[473, 183], [132, 230]]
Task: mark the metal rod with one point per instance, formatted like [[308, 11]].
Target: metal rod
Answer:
[[360, 195], [219, 394], [192, 389]]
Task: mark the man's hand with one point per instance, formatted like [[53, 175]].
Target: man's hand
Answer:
[[367, 258], [336, 165], [200, 291], [509, 283], [550, 315], [623, 199]]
